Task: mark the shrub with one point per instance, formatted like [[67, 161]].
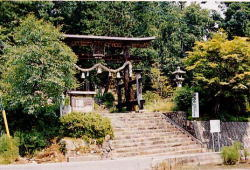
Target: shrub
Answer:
[[107, 99], [231, 154], [32, 141], [8, 149], [245, 153], [86, 125], [67, 101], [183, 98]]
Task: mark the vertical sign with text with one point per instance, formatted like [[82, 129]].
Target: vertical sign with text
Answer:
[[195, 105]]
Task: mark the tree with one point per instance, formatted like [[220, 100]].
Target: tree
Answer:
[[180, 28], [221, 72], [39, 68], [237, 19], [13, 12], [159, 82]]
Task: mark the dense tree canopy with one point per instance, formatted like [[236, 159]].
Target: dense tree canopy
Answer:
[[237, 19], [221, 69], [39, 68], [176, 26]]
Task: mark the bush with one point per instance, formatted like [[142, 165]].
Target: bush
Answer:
[[8, 149], [231, 154], [107, 99], [32, 141], [183, 98], [86, 125]]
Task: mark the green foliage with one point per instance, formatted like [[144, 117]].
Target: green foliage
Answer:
[[67, 101], [237, 19], [13, 12], [183, 98], [245, 153], [160, 106], [31, 78], [231, 154], [8, 149], [221, 72], [150, 97], [34, 131], [30, 142], [179, 28], [114, 109], [159, 82], [108, 99], [155, 103], [175, 26], [91, 126], [35, 77]]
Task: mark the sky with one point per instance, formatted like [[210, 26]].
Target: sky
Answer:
[[212, 5]]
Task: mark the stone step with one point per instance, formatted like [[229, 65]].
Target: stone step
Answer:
[[133, 114], [150, 140], [163, 148], [136, 132], [140, 135], [148, 118], [157, 152], [136, 117], [155, 145], [142, 124], [169, 143], [132, 120], [144, 128]]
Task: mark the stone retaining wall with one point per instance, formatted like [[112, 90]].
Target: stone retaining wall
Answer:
[[230, 132]]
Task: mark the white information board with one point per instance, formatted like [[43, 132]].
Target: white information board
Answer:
[[195, 105], [214, 126]]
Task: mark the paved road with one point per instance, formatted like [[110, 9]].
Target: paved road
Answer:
[[132, 163], [123, 164]]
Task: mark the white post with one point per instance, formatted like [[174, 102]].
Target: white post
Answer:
[[213, 141], [219, 140]]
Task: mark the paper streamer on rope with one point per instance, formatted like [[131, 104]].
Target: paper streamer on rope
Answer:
[[100, 66]]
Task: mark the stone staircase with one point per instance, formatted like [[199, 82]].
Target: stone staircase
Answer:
[[149, 134]]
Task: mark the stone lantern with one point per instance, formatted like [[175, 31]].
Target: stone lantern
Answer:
[[178, 76]]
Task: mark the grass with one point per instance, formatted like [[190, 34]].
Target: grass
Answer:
[[215, 167], [160, 106], [165, 166]]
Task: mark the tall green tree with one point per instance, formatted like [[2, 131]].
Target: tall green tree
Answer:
[[180, 28], [237, 19], [221, 72], [39, 68], [13, 12]]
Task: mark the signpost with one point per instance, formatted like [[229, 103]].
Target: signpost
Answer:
[[215, 128], [195, 105]]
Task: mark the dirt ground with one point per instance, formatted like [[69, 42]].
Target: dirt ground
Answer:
[[216, 167]]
